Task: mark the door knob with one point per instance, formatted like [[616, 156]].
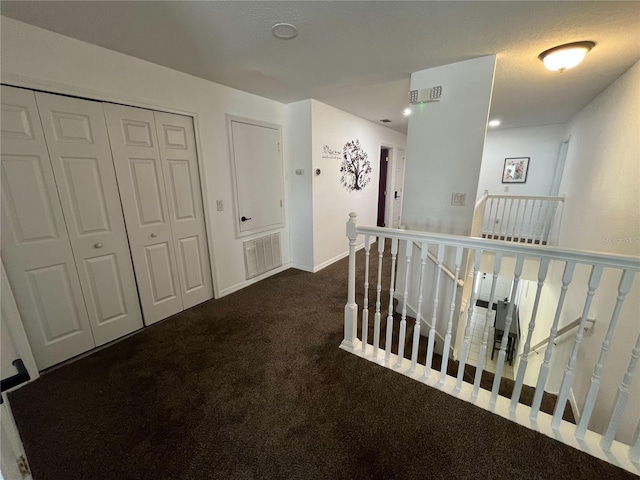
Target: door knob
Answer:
[[98, 245], [154, 235], [244, 219]]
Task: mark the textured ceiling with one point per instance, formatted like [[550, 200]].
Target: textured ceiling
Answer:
[[358, 56]]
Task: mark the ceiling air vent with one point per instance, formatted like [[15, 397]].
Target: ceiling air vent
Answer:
[[385, 120]]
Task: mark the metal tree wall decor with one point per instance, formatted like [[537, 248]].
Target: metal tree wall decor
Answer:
[[355, 168]]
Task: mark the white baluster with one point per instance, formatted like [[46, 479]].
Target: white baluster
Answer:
[[553, 210], [475, 274], [452, 311], [488, 220], [488, 321], [537, 221], [523, 228], [351, 308], [405, 297], [388, 339], [622, 398], [516, 228], [548, 214], [493, 217], [434, 316], [505, 334], [503, 201], [376, 316], [416, 327], [543, 222], [531, 228], [365, 306], [506, 230], [626, 279], [522, 367], [544, 368], [569, 373]]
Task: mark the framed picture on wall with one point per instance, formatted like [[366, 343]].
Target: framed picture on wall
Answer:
[[515, 170]]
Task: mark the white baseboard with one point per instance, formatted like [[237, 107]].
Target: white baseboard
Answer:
[[325, 264], [304, 268], [319, 267], [241, 285]]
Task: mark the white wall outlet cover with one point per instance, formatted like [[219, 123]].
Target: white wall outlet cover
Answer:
[[300, 171]]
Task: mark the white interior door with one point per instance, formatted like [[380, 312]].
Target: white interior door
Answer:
[[258, 177], [136, 156], [76, 135], [503, 288], [36, 250], [398, 181], [176, 140]]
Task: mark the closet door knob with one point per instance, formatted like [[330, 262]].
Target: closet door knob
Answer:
[[98, 245], [154, 235]]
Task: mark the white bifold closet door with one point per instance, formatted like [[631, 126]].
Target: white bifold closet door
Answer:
[[76, 135], [37, 248], [157, 175], [177, 144]]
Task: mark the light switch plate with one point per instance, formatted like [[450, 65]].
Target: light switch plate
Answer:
[[220, 205], [458, 199]]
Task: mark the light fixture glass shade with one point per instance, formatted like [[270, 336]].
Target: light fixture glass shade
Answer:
[[567, 56]]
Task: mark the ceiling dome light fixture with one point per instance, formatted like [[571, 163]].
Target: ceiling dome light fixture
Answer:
[[284, 31], [563, 57], [406, 112], [494, 123]]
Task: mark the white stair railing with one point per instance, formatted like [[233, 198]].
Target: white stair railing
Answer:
[[517, 218], [437, 306]]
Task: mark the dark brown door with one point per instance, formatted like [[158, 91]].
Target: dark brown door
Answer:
[[382, 185]]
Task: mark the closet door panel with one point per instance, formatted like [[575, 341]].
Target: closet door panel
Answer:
[[36, 249], [140, 178], [176, 139], [78, 143]]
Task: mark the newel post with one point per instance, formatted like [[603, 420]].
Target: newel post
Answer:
[[351, 308]]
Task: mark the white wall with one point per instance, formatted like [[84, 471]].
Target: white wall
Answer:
[[332, 203], [36, 58], [298, 146], [540, 144], [444, 146], [602, 213]]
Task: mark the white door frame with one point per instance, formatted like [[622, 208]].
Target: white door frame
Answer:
[[391, 179], [234, 180]]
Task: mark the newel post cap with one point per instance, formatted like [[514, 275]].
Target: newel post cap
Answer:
[[351, 225]]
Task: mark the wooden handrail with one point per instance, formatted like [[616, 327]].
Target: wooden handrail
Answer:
[[562, 331]]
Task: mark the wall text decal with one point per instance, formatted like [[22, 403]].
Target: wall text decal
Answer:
[[328, 152]]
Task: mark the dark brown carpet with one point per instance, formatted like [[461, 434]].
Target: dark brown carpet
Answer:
[[253, 386]]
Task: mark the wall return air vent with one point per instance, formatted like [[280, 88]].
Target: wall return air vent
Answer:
[[262, 255]]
